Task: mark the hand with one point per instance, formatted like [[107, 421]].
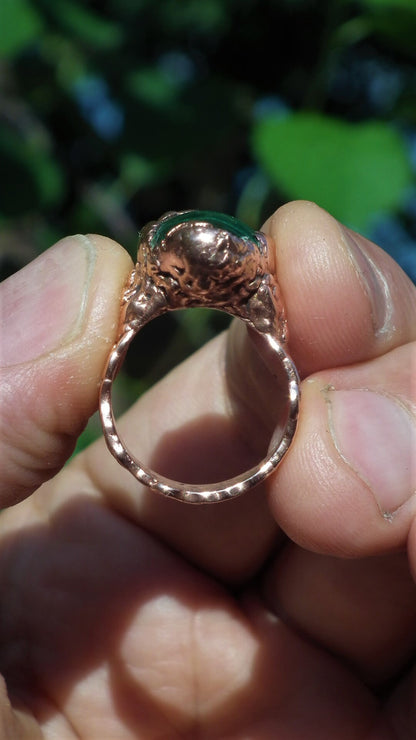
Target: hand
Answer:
[[287, 613]]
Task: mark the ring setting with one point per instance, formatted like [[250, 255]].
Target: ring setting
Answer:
[[203, 259]]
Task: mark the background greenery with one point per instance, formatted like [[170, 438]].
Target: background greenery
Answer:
[[113, 112]]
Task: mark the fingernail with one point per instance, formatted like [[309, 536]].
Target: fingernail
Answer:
[[375, 435], [42, 307], [373, 282]]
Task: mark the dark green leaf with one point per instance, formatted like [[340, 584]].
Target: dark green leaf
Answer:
[[394, 21], [152, 86], [40, 180], [390, 5], [90, 27], [207, 16]]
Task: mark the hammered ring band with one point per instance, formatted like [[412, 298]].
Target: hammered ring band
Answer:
[[203, 259]]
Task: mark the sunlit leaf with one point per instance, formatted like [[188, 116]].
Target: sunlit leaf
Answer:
[[354, 171], [20, 25]]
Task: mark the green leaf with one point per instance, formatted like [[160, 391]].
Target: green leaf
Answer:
[[353, 170], [393, 21], [209, 16], [40, 177], [86, 438], [48, 175], [20, 25], [137, 171], [151, 85], [408, 5], [87, 25]]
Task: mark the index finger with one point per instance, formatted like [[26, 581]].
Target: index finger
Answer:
[[347, 301]]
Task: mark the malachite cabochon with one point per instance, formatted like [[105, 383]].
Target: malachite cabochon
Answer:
[[218, 220]]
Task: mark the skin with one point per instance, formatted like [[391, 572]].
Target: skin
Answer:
[[288, 613]]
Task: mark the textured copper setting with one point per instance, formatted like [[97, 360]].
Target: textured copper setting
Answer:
[[202, 259]]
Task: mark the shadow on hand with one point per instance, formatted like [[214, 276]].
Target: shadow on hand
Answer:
[[73, 590], [232, 539], [105, 625], [206, 450]]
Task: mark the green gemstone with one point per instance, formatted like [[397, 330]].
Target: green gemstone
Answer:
[[219, 220]]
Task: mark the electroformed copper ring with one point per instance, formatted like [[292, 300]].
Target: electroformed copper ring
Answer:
[[203, 259]]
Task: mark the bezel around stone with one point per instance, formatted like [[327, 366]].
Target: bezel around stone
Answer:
[[163, 228]]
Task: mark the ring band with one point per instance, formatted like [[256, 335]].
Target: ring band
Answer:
[[203, 259]]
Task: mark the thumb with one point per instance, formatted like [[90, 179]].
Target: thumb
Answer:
[[58, 317]]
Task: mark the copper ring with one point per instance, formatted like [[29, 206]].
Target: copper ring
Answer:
[[194, 259]]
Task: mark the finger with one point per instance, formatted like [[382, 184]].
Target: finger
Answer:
[[15, 723], [347, 486], [401, 708], [361, 610], [58, 319], [346, 300]]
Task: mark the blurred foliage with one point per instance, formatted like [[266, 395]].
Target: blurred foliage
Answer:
[[114, 111]]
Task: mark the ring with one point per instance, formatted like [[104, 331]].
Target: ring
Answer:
[[204, 259]]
